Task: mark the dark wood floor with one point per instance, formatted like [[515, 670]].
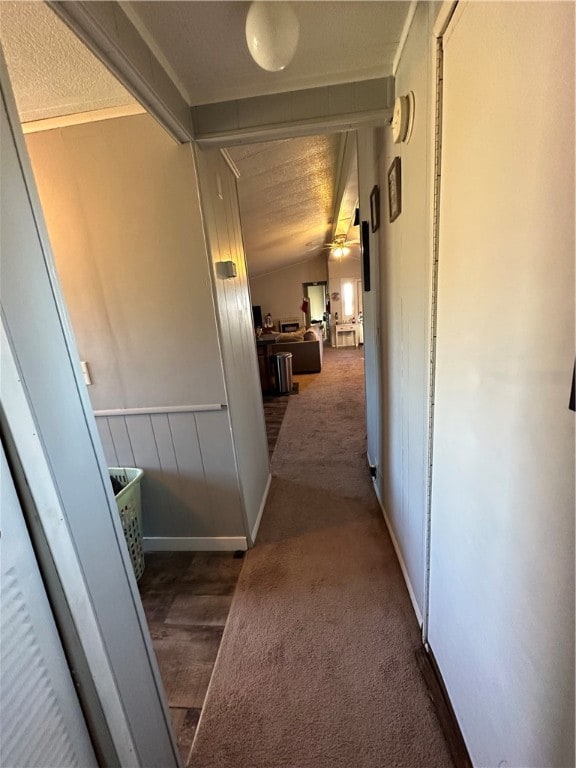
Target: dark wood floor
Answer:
[[274, 410], [186, 598]]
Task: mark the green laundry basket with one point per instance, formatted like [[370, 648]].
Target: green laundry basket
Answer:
[[129, 505]]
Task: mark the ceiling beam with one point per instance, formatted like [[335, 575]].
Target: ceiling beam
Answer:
[[346, 159], [111, 35], [307, 112]]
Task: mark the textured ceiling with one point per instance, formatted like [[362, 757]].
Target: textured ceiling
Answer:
[[339, 42], [52, 72], [286, 191]]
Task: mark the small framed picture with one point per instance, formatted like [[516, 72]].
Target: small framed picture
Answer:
[[395, 189], [375, 207]]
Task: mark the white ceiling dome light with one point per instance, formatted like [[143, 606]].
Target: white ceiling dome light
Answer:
[[272, 32]]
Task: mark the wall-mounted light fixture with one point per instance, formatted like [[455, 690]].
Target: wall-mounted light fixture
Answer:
[[403, 118], [225, 269], [272, 32]]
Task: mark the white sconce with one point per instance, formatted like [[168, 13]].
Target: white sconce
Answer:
[[225, 269], [272, 32]]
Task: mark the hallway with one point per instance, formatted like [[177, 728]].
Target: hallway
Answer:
[[317, 664], [126, 344]]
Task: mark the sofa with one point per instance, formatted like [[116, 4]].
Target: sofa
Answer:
[[306, 346]]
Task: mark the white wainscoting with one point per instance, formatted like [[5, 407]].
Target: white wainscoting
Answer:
[[190, 486]]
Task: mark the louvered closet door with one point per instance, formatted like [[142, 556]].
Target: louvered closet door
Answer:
[[41, 723]]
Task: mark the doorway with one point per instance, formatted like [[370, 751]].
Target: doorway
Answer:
[[316, 309]]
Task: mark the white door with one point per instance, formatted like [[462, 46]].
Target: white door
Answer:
[[42, 723], [502, 536]]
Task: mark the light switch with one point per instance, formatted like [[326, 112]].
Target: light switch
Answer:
[[86, 372]]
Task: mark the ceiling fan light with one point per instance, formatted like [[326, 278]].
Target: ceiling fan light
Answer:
[[272, 32]]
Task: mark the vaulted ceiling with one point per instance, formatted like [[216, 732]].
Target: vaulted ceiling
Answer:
[[288, 189]]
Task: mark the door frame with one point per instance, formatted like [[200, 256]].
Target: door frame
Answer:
[[305, 287], [440, 26], [49, 426]]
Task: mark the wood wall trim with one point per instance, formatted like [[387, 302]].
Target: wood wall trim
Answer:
[[444, 710]]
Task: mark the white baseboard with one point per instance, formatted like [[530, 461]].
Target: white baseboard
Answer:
[[194, 543], [399, 556], [254, 531]]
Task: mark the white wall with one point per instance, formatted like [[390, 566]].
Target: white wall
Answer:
[[349, 266], [121, 204], [122, 207], [502, 569], [347, 270], [281, 293], [237, 338], [405, 314]]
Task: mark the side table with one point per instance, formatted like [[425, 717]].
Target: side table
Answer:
[[342, 329]]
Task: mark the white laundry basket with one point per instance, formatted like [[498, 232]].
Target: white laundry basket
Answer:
[[130, 510]]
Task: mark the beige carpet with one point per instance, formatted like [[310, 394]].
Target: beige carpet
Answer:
[[316, 667]]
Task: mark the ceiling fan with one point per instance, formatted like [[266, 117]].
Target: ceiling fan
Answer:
[[340, 246]]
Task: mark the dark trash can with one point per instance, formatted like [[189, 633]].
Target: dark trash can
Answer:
[[282, 363]]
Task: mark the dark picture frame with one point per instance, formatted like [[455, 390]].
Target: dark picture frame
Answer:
[[375, 207], [365, 234], [395, 189]]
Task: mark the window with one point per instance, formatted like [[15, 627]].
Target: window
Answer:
[[348, 299]]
